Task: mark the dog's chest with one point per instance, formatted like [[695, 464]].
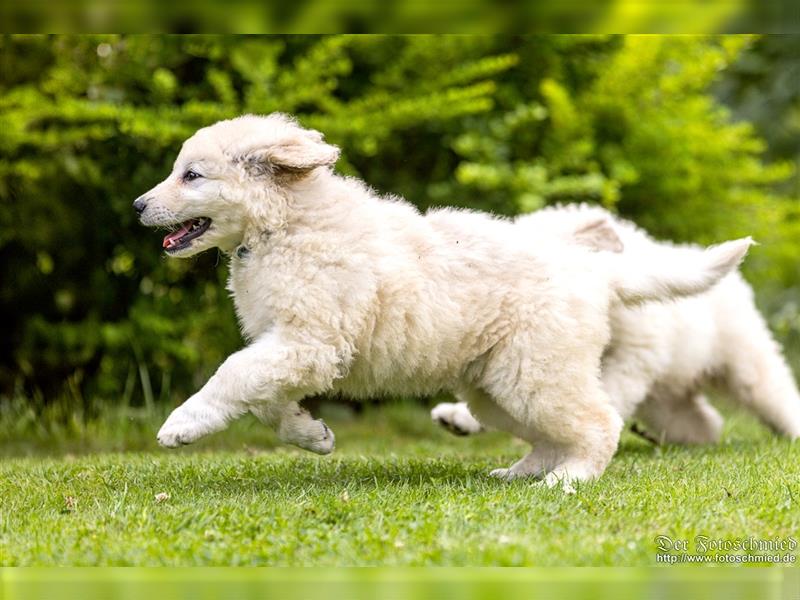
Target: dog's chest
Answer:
[[249, 289]]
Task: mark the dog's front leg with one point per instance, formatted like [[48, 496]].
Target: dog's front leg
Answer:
[[221, 400], [258, 375], [205, 412]]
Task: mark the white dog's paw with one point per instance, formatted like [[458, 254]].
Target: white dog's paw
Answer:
[[321, 439], [308, 433], [504, 474], [187, 424], [178, 432], [513, 473], [552, 480], [456, 418]]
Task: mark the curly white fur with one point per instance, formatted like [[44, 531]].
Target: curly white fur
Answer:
[[341, 290]]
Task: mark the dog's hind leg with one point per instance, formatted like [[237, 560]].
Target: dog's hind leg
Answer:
[[582, 438], [485, 412], [575, 437], [543, 458], [680, 419], [757, 375], [629, 370], [571, 424], [295, 425]]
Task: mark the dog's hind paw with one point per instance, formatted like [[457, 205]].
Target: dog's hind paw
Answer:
[[511, 474], [552, 480], [504, 474]]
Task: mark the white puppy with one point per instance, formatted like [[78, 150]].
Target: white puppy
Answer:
[[339, 290], [662, 354]]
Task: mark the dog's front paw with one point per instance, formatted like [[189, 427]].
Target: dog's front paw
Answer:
[[178, 430], [322, 441], [187, 424], [307, 433]]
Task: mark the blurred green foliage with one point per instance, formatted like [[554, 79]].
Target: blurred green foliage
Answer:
[[400, 16], [500, 123]]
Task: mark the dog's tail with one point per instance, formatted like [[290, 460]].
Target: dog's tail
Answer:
[[665, 273]]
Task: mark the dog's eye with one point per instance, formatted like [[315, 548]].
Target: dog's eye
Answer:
[[191, 175]]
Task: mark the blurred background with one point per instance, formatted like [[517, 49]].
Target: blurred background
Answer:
[[696, 138], [403, 16]]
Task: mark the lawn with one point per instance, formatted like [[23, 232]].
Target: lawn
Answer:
[[397, 491]]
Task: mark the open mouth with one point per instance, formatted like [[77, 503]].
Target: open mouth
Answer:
[[188, 231]]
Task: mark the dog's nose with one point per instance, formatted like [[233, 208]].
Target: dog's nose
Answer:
[[139, 205]]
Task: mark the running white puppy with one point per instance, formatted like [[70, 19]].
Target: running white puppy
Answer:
[[340, 290], [662, 354]]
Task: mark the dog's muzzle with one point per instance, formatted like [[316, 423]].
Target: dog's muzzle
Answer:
[[140, 204]]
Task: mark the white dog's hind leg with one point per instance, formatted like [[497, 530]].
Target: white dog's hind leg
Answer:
[[577, 449], [540, 461], [573, 428], [681, 419], [757, 374], [456, 418], [295, 425], [545, 455], [626, 379], [585, 440], [489, 414], [552, 463]]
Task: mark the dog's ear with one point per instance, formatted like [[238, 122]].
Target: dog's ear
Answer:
[[295, 155], [599, 235]]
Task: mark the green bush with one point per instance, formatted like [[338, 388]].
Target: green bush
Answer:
[[506, 124]]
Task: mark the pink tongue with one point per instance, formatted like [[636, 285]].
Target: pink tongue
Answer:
[[171, 239]]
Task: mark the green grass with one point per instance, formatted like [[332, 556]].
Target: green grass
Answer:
[[397, 491]]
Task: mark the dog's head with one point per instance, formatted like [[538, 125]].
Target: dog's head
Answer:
[[231, 179]]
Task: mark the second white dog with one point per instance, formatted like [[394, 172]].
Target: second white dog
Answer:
[[662, 354]]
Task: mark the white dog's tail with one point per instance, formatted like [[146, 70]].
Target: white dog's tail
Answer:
[[665, 273]]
